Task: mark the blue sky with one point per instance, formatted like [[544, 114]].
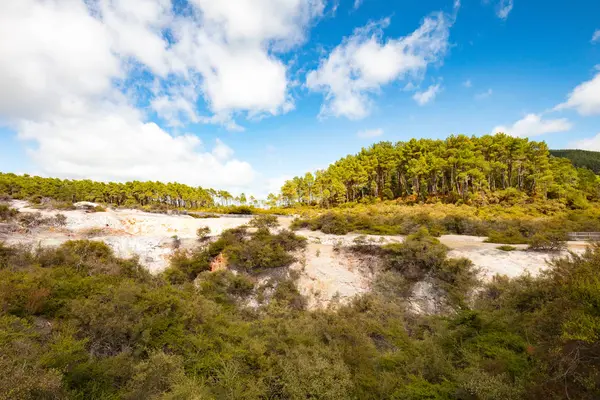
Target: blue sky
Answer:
[[242, 94]]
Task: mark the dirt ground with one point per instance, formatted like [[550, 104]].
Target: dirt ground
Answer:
[[325, 274]]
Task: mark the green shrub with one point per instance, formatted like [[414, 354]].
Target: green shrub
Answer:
[[186, 266], [60, 220], [334, 224], [264, 221], [510, 236], [7, 213], [416, 256], [203, 216], [457, 277], [258, 254], [506, 248], [202, 233], [240, 210], [78, 322], [548, 241]]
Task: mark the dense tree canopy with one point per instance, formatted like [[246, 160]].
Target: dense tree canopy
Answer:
[[130, 193], [581, 158], [457, 168]]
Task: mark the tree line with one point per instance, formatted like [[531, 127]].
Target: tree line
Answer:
[[134, 193], [457, 168]]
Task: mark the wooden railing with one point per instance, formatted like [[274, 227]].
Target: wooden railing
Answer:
[[584, 235]]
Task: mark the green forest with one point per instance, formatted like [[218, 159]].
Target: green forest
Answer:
[[129, 194], [581, 158], [458, 169]]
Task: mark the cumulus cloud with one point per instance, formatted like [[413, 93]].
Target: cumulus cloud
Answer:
[[585, 98], [357, 68], [116, 145], [596, 36], [592, 143], [504, 8], [428, 95], [370, 133], [70, 81], [533, 125]]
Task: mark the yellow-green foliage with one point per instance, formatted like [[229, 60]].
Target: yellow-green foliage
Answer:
[[483, 170], [504, 225], [78, 323], [7, 213]]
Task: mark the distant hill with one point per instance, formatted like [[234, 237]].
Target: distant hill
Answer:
[[581, 158]]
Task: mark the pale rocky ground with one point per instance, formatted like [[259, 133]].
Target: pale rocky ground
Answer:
[[325, 274]]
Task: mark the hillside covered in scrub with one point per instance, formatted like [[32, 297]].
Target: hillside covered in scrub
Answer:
[[458, 169], [77, 322]]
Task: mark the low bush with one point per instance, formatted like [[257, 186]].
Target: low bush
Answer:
[[506, 248], [239, 210], [203, 215], [510, 236], [225, 286], [93, 232], [185, 266], [32, 220], [457, 277], [419, 254], [7, 213], [548, 241], [78, 323], [264, 221], [60, 220], [502, 225], [62, 205], [250, 252], [203, 233], [263, 250]]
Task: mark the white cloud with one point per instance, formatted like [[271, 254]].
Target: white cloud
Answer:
[[504, 8], [596, 36], [357, 4], [533, 125], [467, 83], [233, 47], [49, 61], [364, 62], [592, 143], [174, 109], [370, 133], [258, 21], [585, 98], [484, 95], [108, 142], [68, 77], [428, 95]]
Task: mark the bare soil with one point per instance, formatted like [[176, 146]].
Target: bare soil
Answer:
[[326, 274]]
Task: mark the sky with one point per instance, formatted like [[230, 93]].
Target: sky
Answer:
[[244, 94]]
